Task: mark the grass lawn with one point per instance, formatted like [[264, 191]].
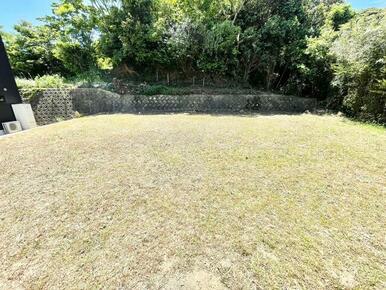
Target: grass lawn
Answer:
[[194, 202]]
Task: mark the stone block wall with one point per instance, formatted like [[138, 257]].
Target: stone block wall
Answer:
[[51, 105]]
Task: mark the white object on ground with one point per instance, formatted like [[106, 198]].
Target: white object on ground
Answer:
[[25, 115], [12, 127], [2, 132]]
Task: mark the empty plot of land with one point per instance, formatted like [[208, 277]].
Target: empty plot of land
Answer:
[[194, 202]]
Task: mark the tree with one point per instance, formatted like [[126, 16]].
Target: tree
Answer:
[[272, 40], [316, 72], [127, 32], [31, 51], [220, 49], [75, 28], [291, 46], [360, 69]]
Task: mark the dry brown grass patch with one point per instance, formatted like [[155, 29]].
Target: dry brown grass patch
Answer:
[[181, 201]]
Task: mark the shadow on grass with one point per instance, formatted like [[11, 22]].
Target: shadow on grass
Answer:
[[227, 113], [210, 113]]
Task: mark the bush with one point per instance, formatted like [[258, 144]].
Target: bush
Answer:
[[32, 88], [46, 81], [49, 81], [90, 78], [25, 83]]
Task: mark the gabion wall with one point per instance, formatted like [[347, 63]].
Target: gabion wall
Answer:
[[51, 105]]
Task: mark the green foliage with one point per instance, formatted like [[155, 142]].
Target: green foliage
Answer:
[[128, 32], [360, 67], [89, 78], [282, 44], [220, 50], [63, 44], [74, 24], [49, 81], [46, 81], [75, 58], [183, 45], [290, 46], [338, 15], [317, 13], [256, 41], [31, 51], [32, 88], [25, 83], [380, 88], [316, 71]]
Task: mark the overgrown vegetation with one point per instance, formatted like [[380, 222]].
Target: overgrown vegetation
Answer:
[[31, 89], [297, 47], [42, 82]]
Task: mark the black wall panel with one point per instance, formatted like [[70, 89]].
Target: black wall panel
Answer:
[[9, 93]]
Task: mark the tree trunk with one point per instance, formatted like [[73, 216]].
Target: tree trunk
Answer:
[[269, 78]]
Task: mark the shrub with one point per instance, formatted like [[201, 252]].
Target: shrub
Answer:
[[25, 83], [46, 81], [90, 78], [49, 81], [31, 88]]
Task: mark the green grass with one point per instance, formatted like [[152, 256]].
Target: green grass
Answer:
[[190, 201]]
